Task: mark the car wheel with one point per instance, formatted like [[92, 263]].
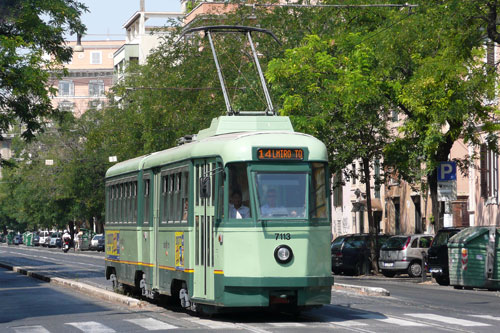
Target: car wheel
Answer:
[[387, 273], [415, 269], [442, 280]]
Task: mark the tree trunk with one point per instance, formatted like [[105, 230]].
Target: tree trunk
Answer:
[[372, 230], [432, 180]]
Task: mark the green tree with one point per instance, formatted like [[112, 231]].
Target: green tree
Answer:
[[28, 30], [334, 93]]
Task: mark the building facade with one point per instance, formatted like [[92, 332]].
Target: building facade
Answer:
[[89, 77]]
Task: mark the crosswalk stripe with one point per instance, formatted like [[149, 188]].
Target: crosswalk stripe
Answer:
[[486, 317], [341, 321], [212, 323], [390, 320], [151, 324], [92, 326], [30, 329], [287, 324], [446, 320]]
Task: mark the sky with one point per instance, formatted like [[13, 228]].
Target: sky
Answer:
[[106, 17]]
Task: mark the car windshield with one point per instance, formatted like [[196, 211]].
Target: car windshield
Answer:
[[395, 243], [442, 237], [281, 195], [98, 237], [55, 234]]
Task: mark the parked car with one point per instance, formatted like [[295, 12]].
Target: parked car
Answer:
[[55, 239], [36, 239], [97, 242], [44, 238], [437, 256], [18, 239], [403, 254], [351, 253]]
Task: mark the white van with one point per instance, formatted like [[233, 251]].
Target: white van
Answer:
[[44, 238]]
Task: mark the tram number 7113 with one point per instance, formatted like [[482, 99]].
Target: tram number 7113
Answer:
[[283, 236]]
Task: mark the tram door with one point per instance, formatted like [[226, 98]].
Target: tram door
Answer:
[[204, 229]]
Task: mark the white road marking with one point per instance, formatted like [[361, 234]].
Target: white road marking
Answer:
[[390, 320], [30, 329], [151, 324], [446, 320], [341, 321], [212, 323], [286, 324], [486, 317], [92, 326]]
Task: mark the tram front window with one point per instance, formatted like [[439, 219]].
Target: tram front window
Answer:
[[281, 195]]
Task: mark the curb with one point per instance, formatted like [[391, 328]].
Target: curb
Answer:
[[369, 291], [80, 287]]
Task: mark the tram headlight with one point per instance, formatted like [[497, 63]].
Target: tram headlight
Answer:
[[283, 254]]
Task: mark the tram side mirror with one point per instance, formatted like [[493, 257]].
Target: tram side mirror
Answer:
[[205, 187]]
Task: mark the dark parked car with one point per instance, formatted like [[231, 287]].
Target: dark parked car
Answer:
[[437, 256], [18, 239], [36, 239], [351, 253]]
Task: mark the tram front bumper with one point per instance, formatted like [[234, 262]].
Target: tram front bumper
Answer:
[[263, 292]]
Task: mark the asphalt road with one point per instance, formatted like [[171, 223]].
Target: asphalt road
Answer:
[[28, 305]]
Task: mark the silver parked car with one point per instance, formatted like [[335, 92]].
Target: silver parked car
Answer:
[[403, 254]]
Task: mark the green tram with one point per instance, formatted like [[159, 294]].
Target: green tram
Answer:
[[238, 216]]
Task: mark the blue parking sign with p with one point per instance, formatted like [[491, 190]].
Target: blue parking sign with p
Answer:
[[447, 171]]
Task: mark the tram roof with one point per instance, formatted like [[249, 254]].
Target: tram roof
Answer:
[[232, 138]]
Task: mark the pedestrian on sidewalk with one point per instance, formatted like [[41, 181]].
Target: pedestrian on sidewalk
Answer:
[[77, 241]]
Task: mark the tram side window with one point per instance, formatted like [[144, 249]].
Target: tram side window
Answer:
[[127, 203], [134, 202], [146, 200], [318, 196], [239, 198], [108, 203], [120, 204], [115, 204], [164, 190], [184, 196]]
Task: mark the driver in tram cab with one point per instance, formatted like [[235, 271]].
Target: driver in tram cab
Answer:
[[271, 208], [236, 209]]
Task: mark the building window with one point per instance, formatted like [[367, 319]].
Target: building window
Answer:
[[489, 174], [96, 58], [66, 88], [96, 88], [66, 106]]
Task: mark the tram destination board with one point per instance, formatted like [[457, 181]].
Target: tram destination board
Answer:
[[281, 154]]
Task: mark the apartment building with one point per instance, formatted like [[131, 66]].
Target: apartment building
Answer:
[[144, 32], [89, 77]]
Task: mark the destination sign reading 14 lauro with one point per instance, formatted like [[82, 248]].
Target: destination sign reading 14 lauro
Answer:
[[280, 154]]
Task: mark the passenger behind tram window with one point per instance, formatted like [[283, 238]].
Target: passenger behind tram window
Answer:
[[236, 209], [185, 209], [271, 207]]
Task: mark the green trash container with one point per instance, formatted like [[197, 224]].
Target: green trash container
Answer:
[[473, 258], [10, 238], [86, 238], [28, 239]]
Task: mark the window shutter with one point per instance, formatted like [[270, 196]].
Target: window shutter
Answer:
[[484, 171]]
